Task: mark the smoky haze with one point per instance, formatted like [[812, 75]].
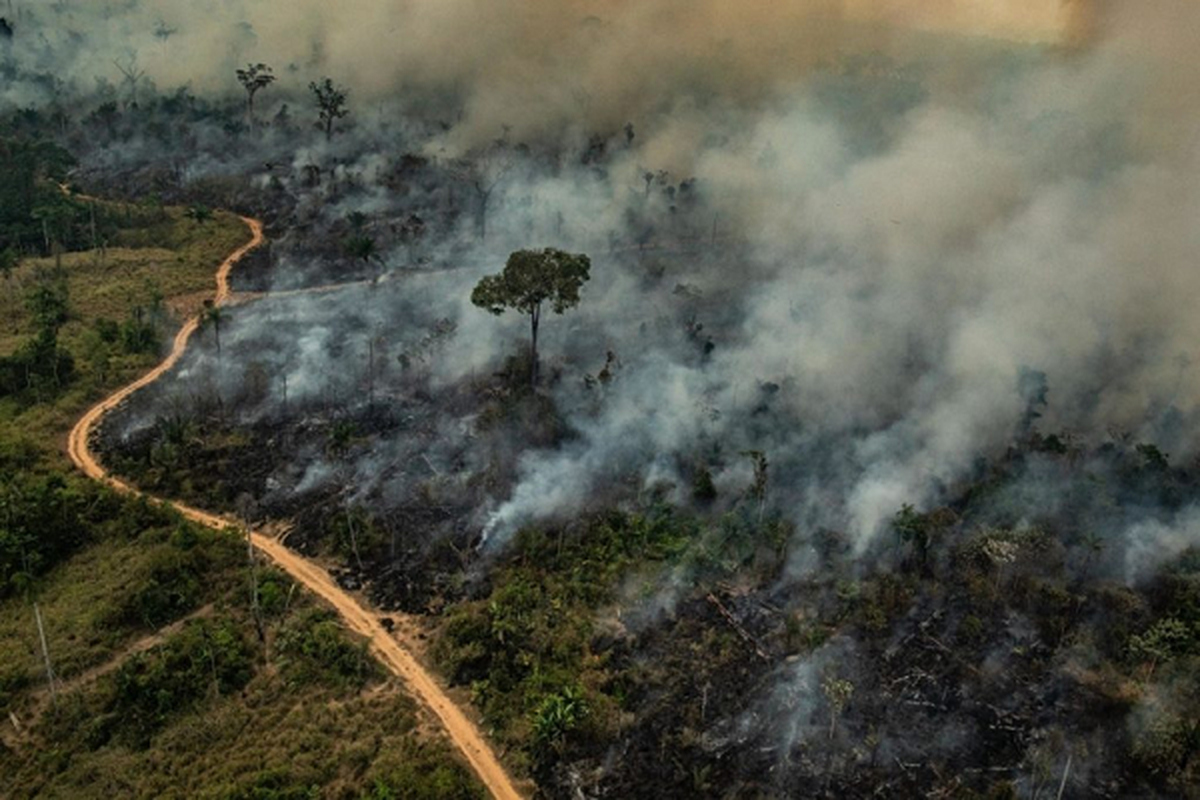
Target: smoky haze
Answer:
[[580, 64], [913, 203]]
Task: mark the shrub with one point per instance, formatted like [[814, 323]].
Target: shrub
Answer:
[[315, 649], [207, 656]]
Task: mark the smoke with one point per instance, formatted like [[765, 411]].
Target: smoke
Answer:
[[899, 292], [538, 68], [885, 213]]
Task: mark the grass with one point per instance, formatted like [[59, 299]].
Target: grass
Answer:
[[279, 736], [180, 266], [77, 603]]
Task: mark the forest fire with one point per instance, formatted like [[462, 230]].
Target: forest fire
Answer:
[[725, 400]]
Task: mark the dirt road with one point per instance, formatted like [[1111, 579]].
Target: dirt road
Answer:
[[391, 651]]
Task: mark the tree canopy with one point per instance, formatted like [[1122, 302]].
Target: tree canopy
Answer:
[[254, 78], [531, 279]]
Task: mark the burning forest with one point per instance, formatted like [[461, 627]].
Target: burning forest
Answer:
[[740, 400]]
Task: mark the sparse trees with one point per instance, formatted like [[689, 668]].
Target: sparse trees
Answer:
[[331, 104], [199, 213], [254, 78], [40, 362], [530, 280]]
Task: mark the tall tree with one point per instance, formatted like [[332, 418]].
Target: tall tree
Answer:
[[331, 104], [530, 280], [254, 78]]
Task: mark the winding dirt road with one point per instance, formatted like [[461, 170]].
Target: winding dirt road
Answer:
[[391, 651]]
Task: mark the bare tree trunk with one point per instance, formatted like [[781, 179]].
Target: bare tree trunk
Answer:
[[212, 661], [95, 247], [535, 318], [37, 614], [255, 610], [1062, 787], [353, 539]]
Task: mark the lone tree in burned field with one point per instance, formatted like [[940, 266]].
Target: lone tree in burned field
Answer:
[[331, 104], [254, 78], [531, 279]]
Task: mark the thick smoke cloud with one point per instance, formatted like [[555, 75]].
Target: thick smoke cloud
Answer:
[[896, 229], [536, 67], [903, 290]]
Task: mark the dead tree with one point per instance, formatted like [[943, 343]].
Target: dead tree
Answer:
[[483, 172], [133, 76], [50, 680]]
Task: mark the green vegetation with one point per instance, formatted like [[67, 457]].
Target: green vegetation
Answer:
[[982, 603], [528, 649], [75, 331], [211, 712]]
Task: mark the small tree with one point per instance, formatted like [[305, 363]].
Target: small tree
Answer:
[[198, 212], [361, 247], [910, 526], [331, 104], [530, 279], [254, 78], [555, 718], [838, 693]]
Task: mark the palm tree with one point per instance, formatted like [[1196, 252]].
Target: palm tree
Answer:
[[213, 313]]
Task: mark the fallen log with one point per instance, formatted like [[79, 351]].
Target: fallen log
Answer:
[[746, 636]]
